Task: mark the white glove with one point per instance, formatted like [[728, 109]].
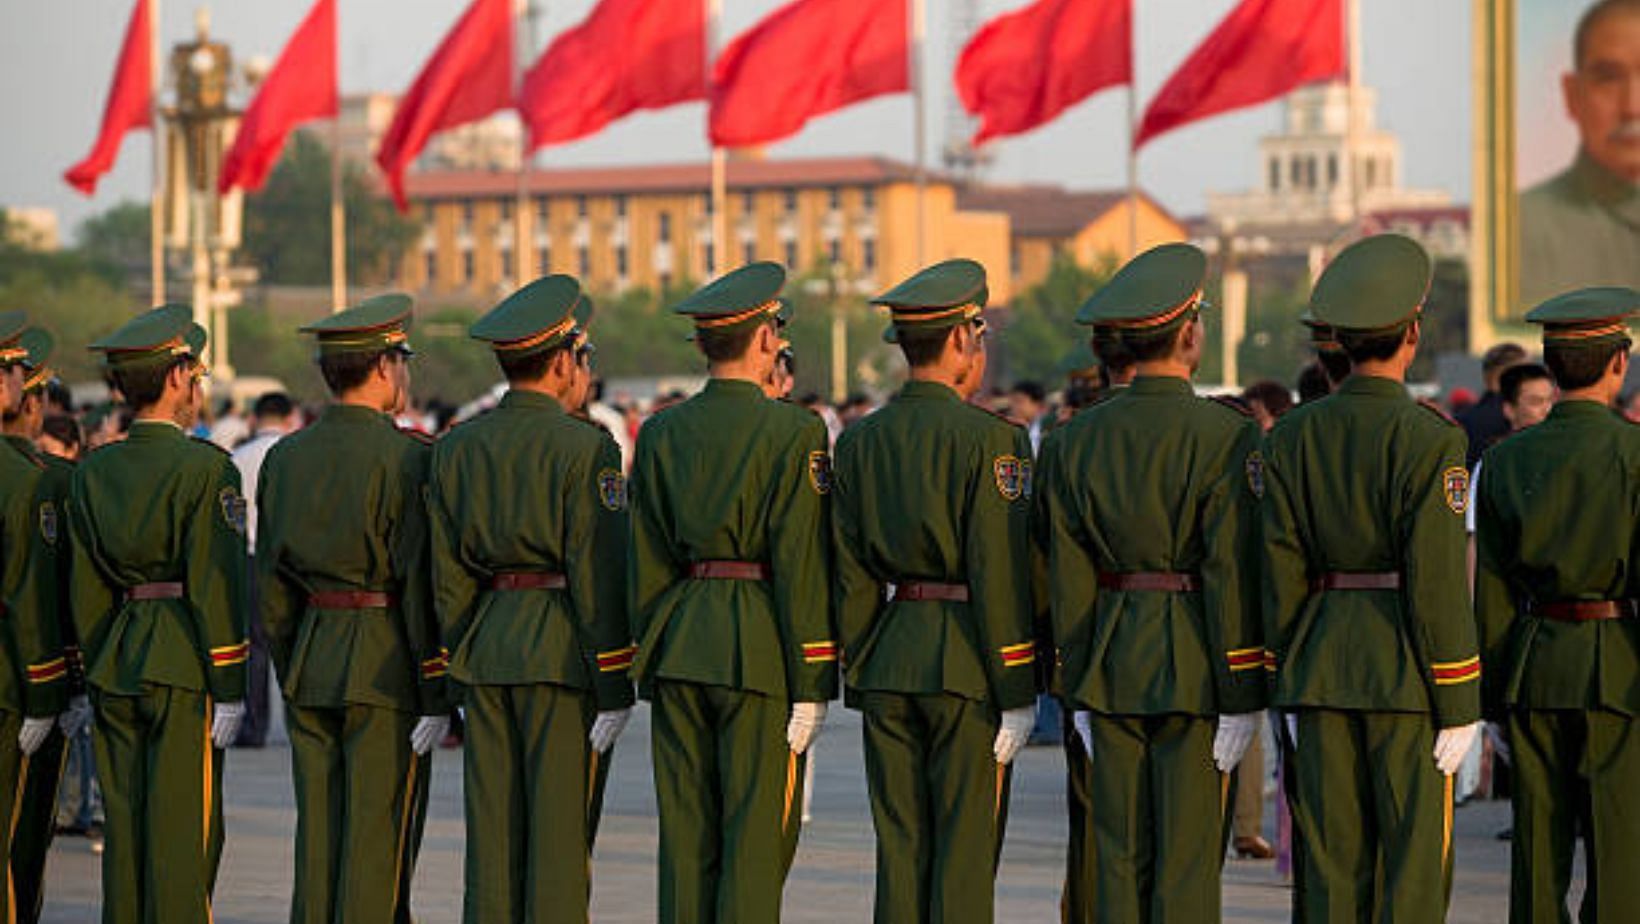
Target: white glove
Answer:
[[1451, 744], [34, 734], [1291, 721], [429, 731], [804, 726], [1500, 742], [1013, 733], [607, 727], [77, 717], [225, 723], [1082, 721], [1234, 737]]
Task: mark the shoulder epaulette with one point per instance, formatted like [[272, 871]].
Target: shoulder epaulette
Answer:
[[1232, 403], [415, 434], [990, 413], [205, 442], [588, 421], [1438, 411]]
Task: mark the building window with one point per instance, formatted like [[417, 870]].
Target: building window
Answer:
[[467, 263], [791, 255], [748, 252], [1372, 173], [541, 211], [791, 202], [620, 206], [580, 206], [834, 251], [709, 257], [1332, 170], [506, 265], [583, 262], [543, 259], [1014, 256], [430, 258], [506, 210], [467, 215], [666, 228], [868, 198], [834, 199], [1275, 174], [1309, 172], [620, 261], [868, 255], [1295, 172], [747, 201], [709, 204]]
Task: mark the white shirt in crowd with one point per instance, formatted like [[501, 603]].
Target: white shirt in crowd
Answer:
[[248, 459]]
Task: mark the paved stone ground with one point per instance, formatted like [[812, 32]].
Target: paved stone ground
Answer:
[[831, 882]]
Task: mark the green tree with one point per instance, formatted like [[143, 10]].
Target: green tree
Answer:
[[287, 223], [1042, 332], [120, 238]]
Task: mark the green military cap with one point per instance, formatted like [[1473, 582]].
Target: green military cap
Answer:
[[1376, 283], [12, 325], [1590, 315], [940, 296], [374, 325], [539, 317], [1153, 292], [748, 295], [1321, 335], [155, 336], [39, 343]]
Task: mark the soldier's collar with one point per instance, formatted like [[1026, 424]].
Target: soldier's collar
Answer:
[[532, 399], [1579, 407], [1162, 385], [156, 425], [922, 388], [735, 387], [354, 412], [1372, 385]]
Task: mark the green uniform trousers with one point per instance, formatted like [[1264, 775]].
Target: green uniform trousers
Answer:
[[14, 771], [939, 801], [534, 793], [1375, 818], [361, 801], [162, 797], [729, 794], [1159, 809], [1076, 899], [36, 826], [1575, 771]]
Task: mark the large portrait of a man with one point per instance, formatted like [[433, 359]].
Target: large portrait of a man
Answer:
[[1578, 159]]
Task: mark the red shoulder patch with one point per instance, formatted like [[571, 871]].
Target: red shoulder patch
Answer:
[[1233, 403], [1438, 411]]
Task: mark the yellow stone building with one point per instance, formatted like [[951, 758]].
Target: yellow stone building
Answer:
[[652, 226]]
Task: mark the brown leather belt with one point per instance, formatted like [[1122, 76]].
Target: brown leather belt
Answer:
[[1178, 582], [158, 590], [351, 600], [1585, 610], [729, 571], [913, 591], [528, 580], [1357, 580]]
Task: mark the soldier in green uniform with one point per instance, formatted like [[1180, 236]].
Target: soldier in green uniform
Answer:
[[1150, 525], [157, 577], [346, 597], [934, 605], [730, 592], [33, 671], [37, 819], [1555, 590], [1371, 642], [528, 509]]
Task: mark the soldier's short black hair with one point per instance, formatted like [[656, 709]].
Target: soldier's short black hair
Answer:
[[922, 348], [64, 429], [1579, 365], [1591, 17], [1114, 356], [726, 346], [1501, 356], [1515, 377], [344, 372], [1371, 346], [1335, 363], [531, 367], [1314, 382], [143, 386], [1149, 348]]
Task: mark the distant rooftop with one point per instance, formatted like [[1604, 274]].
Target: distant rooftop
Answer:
[[658, 178], [1044, 211]]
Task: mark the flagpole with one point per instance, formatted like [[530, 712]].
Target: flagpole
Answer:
[[338, 216], [523, 257], [1352, 34], [720, 165], [1133, 168], [920, 133], [156, 198]]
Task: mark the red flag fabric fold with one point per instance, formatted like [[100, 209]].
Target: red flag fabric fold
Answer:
[[1022, 69], [301, 87], [466, 79], [625, 56], [805, 59], [130, 98], [1261, 50]]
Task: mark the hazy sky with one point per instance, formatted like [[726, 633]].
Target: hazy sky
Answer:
[[56, 58]]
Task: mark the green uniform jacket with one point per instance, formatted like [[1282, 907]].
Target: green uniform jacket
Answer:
[[732, 475], [55, 483], [1155, 479], [33, 672], [160, 507], [340, 507], [1368, 480], [527, 487], [931, 488], [1558, 516]]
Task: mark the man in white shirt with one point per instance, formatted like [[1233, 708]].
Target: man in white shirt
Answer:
[[275, 417]]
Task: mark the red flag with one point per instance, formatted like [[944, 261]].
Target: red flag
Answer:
[[129, 100], [466, 79], [1261, 50], [627, 55], [805, 59], [301, 87], [1024, 68]]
